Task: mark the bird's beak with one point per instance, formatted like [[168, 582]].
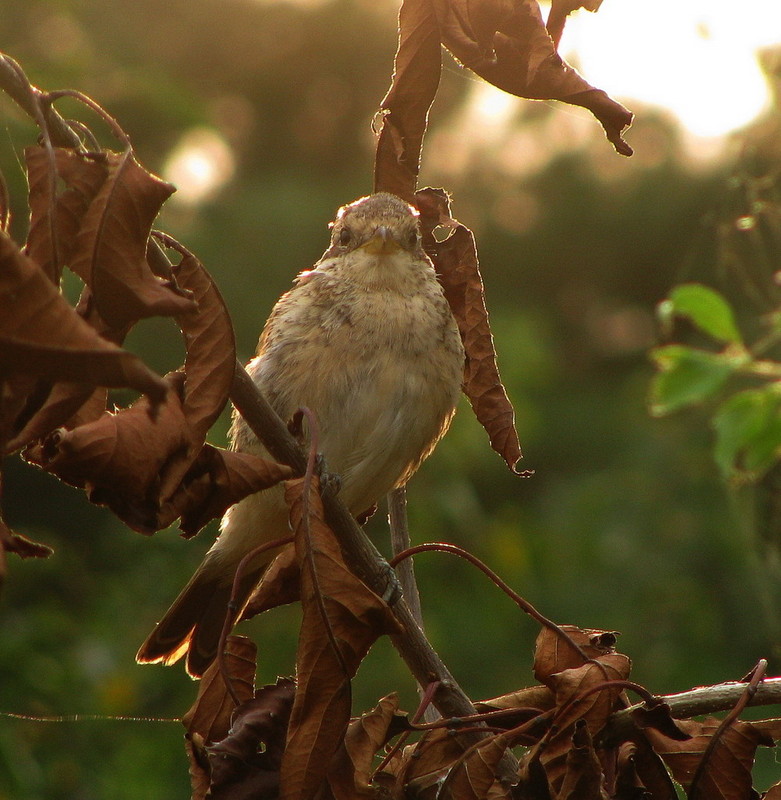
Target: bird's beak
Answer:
[[382, 243]]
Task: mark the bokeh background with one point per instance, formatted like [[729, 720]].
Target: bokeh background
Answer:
[[260, 112]]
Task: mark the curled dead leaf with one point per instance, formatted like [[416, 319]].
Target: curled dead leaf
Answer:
[[42, 336], [523, 60], [506, 43], [210, 344], [341, 620], [416, 73], [120, 458], [246, 763], [55, 218], [455, 260], [279, 586], [583, 779], [727, 775], [474, 777], [109, 253], [552, 654], [210, 714], [351, 770], [215, 480]]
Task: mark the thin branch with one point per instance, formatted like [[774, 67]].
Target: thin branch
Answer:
[[400, 541], [703, 700], [524, 605], [15, 84]]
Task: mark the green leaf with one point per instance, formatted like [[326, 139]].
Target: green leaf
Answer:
[[687, 376], [748, 433], [706, 309]]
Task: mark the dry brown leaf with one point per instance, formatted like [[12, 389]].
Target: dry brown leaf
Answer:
[[110, 250], [583, 779], [579, 703], [41, 335], [211, 348], [83, 175], [67, 405], [213, 482], [523, 60], [350, 773], [120, 457], [341, 620], [552, 654], [652, 773], [246, 764], [11, 542], [474, 778], [416, 73], [210, 714], [560, 10], [198, 761], [727, 774], [279, 586], [594, 707], [640, 773], [456, 263]]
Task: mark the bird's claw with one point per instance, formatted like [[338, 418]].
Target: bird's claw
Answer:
[[330, 482]]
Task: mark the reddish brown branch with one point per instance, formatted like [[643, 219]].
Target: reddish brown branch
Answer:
[[524, 605]]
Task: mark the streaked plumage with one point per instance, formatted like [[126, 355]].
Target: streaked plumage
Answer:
[[367, 341]]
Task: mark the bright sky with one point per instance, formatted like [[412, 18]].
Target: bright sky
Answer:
[[695, 57]]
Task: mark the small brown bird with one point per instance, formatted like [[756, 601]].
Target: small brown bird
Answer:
[[367, 341]]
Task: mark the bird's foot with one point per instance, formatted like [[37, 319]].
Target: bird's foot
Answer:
[[330, 482]]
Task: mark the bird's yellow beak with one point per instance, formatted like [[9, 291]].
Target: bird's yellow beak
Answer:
[[382, 243]]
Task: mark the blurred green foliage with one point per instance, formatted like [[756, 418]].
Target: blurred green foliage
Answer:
[[625, 525]]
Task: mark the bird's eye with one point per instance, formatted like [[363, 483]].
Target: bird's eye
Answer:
[[345, 236]]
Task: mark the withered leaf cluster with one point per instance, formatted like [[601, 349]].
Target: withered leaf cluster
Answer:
[[92, 212], [294, 744]]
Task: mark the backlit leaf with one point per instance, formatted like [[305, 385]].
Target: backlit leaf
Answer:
[[688, 376], [705, 308]]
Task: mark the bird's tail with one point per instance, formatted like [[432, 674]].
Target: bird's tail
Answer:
[[194, 622]]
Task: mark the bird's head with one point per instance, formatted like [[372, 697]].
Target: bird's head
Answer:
[[380, 224]]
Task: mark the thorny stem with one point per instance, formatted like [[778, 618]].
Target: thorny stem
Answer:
[[524, 605], [233, 608], [750, 690]]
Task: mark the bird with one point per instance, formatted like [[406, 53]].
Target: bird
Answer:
[[367, 341]]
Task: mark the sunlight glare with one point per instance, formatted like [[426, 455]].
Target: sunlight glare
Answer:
[[696, 58], [201, 163]]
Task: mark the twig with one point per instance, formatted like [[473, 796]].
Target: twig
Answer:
[[524, 605], [749, 691], [703, 700], [15, 84], [400, 541]]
